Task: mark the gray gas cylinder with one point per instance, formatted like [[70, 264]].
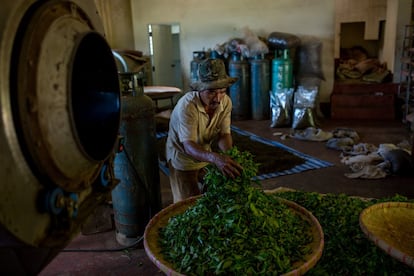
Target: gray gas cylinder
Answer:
[[240, 90], [137, 197], [198, 56], [260, 88]]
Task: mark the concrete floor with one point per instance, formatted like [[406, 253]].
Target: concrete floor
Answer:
[[108, 258]]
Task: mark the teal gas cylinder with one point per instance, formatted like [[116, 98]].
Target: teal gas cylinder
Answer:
[[282, 70], [260, 88], [137, 197], [240, 91]]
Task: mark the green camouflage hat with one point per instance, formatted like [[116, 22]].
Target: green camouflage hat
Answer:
[[212, 75]]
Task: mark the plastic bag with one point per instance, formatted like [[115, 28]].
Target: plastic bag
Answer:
[[281, 107], [279, 40], [309, 61], [254, 44], [304, 107]]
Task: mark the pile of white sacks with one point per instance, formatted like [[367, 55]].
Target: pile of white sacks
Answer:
[[364, 160]]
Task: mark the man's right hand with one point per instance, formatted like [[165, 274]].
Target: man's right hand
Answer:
[[227, 166]]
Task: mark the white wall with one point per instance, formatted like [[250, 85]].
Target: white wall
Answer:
[[207, 23]]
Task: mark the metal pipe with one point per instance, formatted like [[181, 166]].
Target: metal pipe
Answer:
[[121, 60]]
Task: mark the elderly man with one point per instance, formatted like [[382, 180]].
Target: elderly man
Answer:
[[200, 117]]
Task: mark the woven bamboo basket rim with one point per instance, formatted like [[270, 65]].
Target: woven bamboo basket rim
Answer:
[[160, 220], [390, 226]]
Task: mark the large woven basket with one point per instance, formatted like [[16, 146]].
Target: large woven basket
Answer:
[[160, 220], [390, 226]]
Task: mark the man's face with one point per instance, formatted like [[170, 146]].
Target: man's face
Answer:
[[212, 97]]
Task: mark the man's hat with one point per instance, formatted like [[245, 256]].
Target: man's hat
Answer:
[[212, 75]]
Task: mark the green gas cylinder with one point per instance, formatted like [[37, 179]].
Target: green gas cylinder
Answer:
[[282, 70]]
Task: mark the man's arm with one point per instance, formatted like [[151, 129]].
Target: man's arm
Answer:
[[225, 142], [224, 163]]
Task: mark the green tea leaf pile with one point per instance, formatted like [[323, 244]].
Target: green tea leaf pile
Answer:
[[347, 250], [235, 228]]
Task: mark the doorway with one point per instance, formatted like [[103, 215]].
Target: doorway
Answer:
[[164, 44]]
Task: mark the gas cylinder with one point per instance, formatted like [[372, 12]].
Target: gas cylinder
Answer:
[[214, 55], [240, 91], [282, 70], [137, 197], [198, 56], [260, 88]]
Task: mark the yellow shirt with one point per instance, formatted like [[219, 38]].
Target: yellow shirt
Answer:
[[190, 122]]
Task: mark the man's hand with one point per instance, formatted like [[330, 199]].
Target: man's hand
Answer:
[[227, 166]]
